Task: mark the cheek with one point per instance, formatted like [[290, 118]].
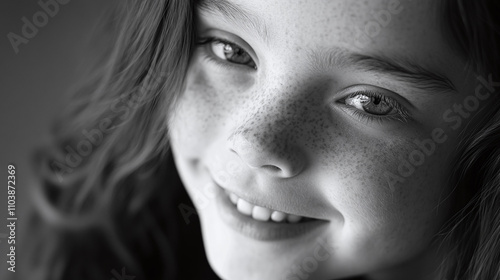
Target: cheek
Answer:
[[390, 192], [200, 112]]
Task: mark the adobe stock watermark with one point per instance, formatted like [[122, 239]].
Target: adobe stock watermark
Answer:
[[122, 276], [30, 28], [202, 197], [381, 19], [121, 110], [303, 270], [453, 116]]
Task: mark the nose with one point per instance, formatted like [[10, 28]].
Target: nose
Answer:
[[270, 148]]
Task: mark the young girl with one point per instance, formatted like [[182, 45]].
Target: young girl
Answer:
[[315, 139]]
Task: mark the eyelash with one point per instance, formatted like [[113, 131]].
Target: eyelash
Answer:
[[209, 56], [401, 115]]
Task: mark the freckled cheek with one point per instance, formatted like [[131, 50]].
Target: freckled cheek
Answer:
[[195, 119], [203, 110], [368, 196], [398, 220]]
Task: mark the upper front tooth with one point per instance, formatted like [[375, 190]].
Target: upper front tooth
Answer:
[[261, 213], [234, 198], [278, 216], [244, 207]]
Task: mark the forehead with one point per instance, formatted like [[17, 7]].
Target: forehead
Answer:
[[335, 20], [396, 28]]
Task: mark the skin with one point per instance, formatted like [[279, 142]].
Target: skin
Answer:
[[281, 134]]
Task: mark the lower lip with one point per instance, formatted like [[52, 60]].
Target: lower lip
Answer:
[[259, 230]]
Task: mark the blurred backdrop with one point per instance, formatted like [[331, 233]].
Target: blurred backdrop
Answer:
[[39, 64]]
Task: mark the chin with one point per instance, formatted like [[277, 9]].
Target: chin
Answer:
[[233, 254]]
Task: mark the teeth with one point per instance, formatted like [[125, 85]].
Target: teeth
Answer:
[[234, 198], [244, 207], [278, 216], [293, 219], [260, 213]]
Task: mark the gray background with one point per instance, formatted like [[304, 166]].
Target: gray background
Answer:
[[33, 85]]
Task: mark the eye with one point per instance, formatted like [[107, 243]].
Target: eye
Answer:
[[228, 51], [375, 106], [369, 103]]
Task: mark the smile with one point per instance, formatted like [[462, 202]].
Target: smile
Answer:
[[260, 213], [262, 223]]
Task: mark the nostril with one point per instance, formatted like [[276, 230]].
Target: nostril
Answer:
[[283, 161], [273, 168]]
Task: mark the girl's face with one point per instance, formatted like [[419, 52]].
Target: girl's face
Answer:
[[315, 137]]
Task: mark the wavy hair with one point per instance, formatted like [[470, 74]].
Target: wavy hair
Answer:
[[106, 181], [108, 190], [472, 236]]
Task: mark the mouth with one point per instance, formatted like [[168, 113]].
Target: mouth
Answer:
[[261, 223], [263, 214]]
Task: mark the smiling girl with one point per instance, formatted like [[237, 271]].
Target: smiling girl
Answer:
[[315, 139]]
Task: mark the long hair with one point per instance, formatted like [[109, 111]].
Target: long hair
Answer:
[[104, 180], [107, 202], [472, 236]]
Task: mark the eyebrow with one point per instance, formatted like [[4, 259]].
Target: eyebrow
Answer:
[[401, 69], [236, 15]]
